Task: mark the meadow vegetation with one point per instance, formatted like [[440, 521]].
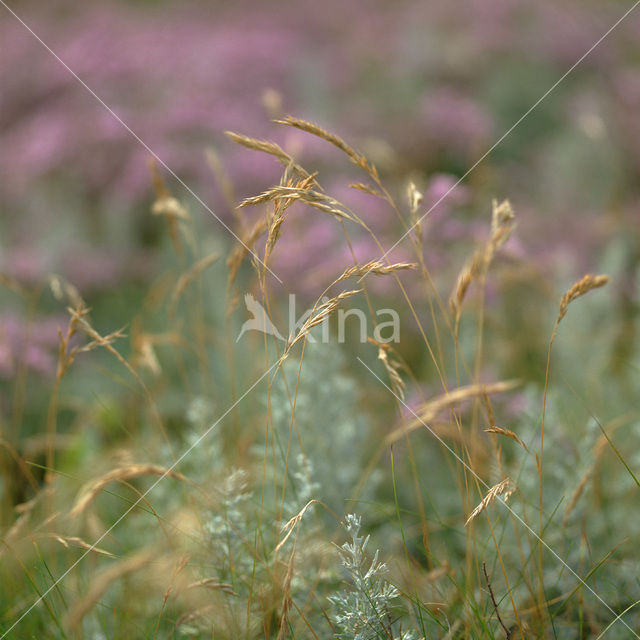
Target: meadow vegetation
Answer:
[[477, 479]]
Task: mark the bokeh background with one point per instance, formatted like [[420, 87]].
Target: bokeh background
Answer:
[[424, 88]]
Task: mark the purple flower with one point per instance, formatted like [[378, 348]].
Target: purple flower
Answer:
[[34, 343], [454, 121]]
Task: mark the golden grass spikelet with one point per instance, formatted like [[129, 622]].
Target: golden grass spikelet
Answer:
[[469, 272], [317, 317], [68, 541], [91, 491], [96, 339], [504, 489], [372, 191], [508, 434], [502, 225], [273, 234], [318, 131], [165, 204], [144, 343], [375, 267], [264, 146], [586, 284], [415, 199], [145, 355], [429, 410], [462, 285], [357, 158], [270, 148], [392, 366], [169, 207], [280, 205], [392, 369], [291, 524], [62, 289], [313, 198]]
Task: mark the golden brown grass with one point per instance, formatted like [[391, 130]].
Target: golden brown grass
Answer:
[[508, 434], [90, 492], [455, 414], [505, 488]]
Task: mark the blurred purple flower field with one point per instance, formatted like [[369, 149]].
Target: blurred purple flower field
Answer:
[[424, 89], [269, 267]]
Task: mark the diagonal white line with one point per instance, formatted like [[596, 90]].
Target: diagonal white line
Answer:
[[137, 502], [481, 481], [134, 135], [510, 130]]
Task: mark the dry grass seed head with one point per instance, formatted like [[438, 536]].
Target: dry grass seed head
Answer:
[[290, 526], [317, 317], [392, 366], [67, 541], [415, 199], [90, 492], [270, 148], [318, 131], [170, 207], [143, 344], [469, 272], [61, 290], [586, 284], [167, 206], [313, 198], [357, 158], [504, 489], [280, 205], [365, 188], [508, 434], [502, 226], [427, 411], [375, 267], [79, 317]]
